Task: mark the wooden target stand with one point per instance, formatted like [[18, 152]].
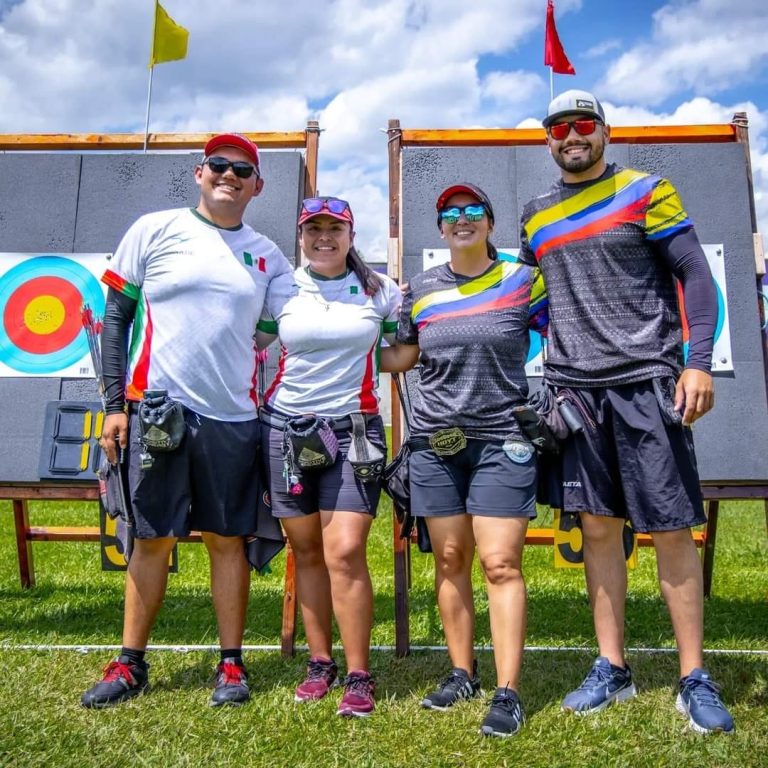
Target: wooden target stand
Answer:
[[713, 493], [20, 494]]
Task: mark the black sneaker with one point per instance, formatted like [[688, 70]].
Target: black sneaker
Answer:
[[456, 687], [121, 681], [506, 715], [231, 684]]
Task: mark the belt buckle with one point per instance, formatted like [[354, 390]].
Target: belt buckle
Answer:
[[447, 442]]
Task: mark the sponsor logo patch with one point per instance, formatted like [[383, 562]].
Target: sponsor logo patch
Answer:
[[517, 451]]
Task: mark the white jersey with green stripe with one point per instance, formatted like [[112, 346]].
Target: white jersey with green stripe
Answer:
[[200, 291], [330, 335]]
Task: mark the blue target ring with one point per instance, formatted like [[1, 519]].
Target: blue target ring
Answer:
[[85, 287]]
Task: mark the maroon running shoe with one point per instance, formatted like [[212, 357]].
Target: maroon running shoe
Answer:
[[321, 677], [357, 700]]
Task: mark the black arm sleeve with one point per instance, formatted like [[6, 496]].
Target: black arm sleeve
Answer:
[[683, 254], [118, 317]]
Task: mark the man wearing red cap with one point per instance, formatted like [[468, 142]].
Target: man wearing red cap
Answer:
[[189, 285]]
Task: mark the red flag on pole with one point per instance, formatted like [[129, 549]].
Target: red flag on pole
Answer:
[[554, 55]]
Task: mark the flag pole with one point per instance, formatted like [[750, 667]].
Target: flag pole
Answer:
[[149, 100], [151, 72], [551, 84]]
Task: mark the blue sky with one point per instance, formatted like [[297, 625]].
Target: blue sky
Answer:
[[80, 66]]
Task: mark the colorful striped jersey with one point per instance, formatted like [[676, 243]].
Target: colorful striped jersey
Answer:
[[200, 291], [613, 314], [330, 334], [473, 338]]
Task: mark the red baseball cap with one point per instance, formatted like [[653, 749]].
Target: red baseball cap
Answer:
[[233, 140], [469, 189]]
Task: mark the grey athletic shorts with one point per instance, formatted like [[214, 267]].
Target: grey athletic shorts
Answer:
[[482, 479], [334, 488]]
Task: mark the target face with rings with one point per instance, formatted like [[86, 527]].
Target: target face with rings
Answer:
[[41, 298]]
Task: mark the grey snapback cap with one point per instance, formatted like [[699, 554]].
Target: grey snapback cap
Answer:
[[573, 102]]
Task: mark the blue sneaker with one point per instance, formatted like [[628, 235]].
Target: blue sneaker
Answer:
[[699, 700], [604, 684]]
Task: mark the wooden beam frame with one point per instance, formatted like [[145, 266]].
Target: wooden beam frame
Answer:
[[503, 137], [124, 142]]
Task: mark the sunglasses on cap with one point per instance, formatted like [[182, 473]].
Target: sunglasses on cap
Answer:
[[331, 204], [584, 127], [473, 212], [240, 168]]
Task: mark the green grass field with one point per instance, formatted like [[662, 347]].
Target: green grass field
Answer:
[[42, 724]]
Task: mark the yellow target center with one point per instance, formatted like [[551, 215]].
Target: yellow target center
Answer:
[[44, 315]]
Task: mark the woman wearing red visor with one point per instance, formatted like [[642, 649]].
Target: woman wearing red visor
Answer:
[[472, 472], [323, 471]]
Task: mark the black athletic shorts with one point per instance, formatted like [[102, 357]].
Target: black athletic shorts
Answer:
[[632, 461], [209, 483]]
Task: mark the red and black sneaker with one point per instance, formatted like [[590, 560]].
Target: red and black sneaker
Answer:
[[121, 681], [231, 684]]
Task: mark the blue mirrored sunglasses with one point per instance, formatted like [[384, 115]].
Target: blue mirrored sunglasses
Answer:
[[472, 212]]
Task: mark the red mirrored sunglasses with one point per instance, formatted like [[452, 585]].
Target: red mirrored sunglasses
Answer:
[[584, 127]]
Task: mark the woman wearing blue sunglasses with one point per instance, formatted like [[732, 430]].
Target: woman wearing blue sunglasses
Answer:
[[472, 473], [323, 470]]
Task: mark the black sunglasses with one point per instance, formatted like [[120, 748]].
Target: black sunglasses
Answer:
[[240, 168]]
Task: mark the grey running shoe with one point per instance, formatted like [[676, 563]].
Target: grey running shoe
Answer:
[[506, 716], [458, 686]]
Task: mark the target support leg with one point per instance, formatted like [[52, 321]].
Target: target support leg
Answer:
[[23, 544]]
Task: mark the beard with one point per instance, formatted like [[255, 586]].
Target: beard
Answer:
[[582, 162]]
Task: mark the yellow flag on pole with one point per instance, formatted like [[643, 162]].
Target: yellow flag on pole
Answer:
[[170, 39]]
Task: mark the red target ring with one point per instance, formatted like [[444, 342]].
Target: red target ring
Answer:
[[43, 315]]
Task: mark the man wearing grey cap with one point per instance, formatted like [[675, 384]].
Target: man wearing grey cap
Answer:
[[610, 242]]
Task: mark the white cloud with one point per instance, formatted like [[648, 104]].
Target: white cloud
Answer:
[[511, 88], [706, 46], [601, 49]]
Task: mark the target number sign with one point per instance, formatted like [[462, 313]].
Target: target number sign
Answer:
[[70, 445], [41, 298], [569, 543]]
